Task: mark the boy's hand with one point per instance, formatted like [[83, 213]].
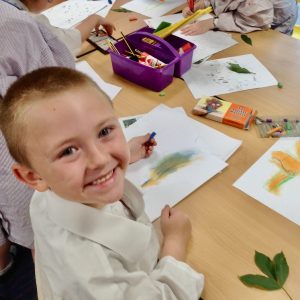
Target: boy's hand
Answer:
[[198, 27], [108, 26], [94, 22], [187, 12], [176, 229], [140, 147]]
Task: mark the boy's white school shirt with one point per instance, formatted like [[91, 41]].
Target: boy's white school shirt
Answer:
[[86, 253]]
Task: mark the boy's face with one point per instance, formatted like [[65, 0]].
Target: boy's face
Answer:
[[76, 147]]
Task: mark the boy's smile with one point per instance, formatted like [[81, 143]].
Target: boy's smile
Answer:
[[76, 146]]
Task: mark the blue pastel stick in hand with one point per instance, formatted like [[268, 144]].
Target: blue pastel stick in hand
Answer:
[[152, 135]]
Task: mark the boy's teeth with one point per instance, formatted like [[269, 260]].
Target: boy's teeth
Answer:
[[102, 179]]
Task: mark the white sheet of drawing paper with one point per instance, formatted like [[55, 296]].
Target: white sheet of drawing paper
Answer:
[[254, 182], [208, 43], [176, 133], [153, 8], [110, 89], [210, 141], [214, 78], [154, 22], [104, 12], [69, 13]]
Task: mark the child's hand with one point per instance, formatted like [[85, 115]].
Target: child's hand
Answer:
[[198, 5], [187, 12], [94, 22], [176, 229], [198, 27], [140, 147], [108, 26]]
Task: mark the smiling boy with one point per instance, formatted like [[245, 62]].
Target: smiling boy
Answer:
[[92, 238]]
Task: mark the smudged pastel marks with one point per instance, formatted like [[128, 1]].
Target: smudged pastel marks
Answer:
[[289, 167], [168, 165]]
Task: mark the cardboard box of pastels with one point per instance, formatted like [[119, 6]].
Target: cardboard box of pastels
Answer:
[[149, 60]]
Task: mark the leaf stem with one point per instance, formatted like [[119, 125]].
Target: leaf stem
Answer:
[[287, 293]]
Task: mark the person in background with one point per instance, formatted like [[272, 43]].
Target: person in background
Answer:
[[245, 16], [72, 37], [26, 45], [92, 237]]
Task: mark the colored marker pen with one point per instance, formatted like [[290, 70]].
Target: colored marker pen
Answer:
[[152, 135]]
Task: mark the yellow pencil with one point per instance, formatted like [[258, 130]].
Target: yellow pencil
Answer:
[[127, 43], [113, 47], [168, 30]]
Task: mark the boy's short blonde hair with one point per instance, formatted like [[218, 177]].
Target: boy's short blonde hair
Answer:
[[34, 86]]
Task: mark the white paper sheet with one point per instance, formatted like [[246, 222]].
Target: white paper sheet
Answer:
[[214, 78], [202, 149], [110, 89], [68, 13], [210, 141], [154, 22], [104, 12], [153, 8], [207, 44], [255, 181]]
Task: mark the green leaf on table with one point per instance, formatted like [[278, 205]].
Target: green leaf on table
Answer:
[[260, 281], [264, 263], [162, 25], [279, 85], [277, 271], [238, 69], [121, 9], [281, 268], [246, 39]]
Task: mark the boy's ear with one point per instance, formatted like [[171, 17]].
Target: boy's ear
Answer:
[[29, 177]]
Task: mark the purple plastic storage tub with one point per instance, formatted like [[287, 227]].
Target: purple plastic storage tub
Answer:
[[153, 79], [185, 59]]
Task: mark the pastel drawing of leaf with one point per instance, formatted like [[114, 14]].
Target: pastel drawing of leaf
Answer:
[[260, 281], [238, 69], [246, 39], [281, 268], [264, 263]]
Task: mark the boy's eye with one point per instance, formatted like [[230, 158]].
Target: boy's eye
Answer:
[[105, 131], [68, 151]]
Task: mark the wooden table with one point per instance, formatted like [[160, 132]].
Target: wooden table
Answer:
[[228, 225]]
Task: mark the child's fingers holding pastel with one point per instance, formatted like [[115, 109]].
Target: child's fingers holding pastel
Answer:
[[149, 151], [149, 146], [187, 12], [109, 28]]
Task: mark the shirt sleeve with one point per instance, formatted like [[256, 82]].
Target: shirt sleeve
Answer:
[[90, 275], [245, 16], [70, 37], [184, 282]]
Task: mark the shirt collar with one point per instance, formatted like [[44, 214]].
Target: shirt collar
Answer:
[[128, 238]]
